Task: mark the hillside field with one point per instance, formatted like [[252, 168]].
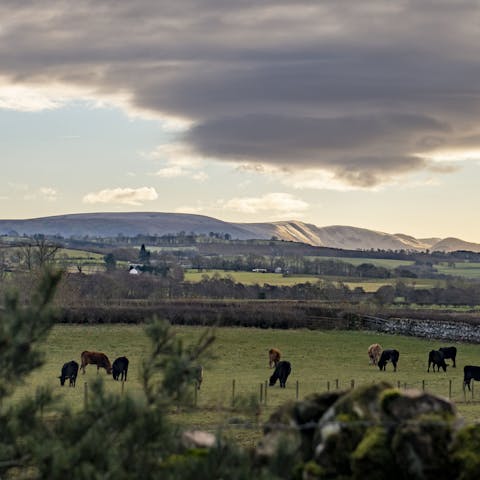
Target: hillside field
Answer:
[[240, 354], [252, 278]]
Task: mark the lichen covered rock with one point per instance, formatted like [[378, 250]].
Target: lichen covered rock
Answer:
[[379, 432], [466, 453]]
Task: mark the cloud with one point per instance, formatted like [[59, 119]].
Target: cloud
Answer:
[[122, 196], [189, 209], [28, 193], [49, 193], [350, 90], [275, 204], [178, 160]]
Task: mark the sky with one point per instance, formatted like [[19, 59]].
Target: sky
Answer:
[[334, 112]]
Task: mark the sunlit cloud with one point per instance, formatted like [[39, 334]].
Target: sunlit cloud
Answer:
[[122, 196], [25, 99], [28, 193], [274, 204], [49, 193], [192, 209], [298, 86], [200, 176], [451, 156], [170, 171], [178, 161]]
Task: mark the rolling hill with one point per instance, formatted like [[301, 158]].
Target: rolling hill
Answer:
[[153, 223]]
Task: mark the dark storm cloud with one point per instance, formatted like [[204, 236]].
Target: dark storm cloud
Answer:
[[279, 138], [355, 88]]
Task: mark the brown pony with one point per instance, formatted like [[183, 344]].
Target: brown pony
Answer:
[[273, 357], [374, 352], [95, 358]]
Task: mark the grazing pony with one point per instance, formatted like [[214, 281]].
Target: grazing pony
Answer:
[[374, 352], [282, 371], [95, 358], [386, 356], [437, 359], [70, 371], [273, 357], [120, 368], [470, 373], [449, 352]]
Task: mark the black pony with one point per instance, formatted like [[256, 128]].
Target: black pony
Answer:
[[282, 371]]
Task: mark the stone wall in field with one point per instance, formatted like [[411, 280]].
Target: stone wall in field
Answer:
[[441, 330]]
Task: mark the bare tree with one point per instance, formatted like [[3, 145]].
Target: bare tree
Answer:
[[38, 252]]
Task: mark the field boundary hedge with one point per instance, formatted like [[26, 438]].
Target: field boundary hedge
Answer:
[[271, 314]]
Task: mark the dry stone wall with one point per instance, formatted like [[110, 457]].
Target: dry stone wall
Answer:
[[441, 330]]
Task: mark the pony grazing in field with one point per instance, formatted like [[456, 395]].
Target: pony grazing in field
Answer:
[[282, 371], [273, 357], [120, 369], [95, 358], [391, 355], [374, 352], [70, 371]]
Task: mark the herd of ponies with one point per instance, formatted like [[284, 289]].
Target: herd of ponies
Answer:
[[436, 358], [377, 356]]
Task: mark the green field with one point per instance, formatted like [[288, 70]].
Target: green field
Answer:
[[461, 269], [252, 278], [319, 359], [378, 262]]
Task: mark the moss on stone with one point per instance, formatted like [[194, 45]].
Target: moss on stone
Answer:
[[466, 453], [421, 448], [387, 397], [373, 458], [364, 401], [313, 471]]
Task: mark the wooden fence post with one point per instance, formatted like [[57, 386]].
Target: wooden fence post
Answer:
[[423, 385], [296, 390], [233, 392], [328, 385], [261, 392], [352, 384], [398, 385], [450, 389], [336, 384]]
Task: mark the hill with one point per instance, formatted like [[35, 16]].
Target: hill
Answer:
[[158, 223]]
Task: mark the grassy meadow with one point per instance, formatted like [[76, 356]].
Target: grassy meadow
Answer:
[[318, 358], [252, 278]]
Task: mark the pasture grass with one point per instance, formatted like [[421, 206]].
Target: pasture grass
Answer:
[[461, 269], [252, 278], [319, 359], [79, 254], [378, 262]]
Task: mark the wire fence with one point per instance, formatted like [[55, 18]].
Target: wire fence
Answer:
[[454, 390], [253, 424]]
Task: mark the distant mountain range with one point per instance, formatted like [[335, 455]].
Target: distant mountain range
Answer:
[[151, 223]]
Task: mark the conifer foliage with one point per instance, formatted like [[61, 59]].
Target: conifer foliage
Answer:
[[114, 436]]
